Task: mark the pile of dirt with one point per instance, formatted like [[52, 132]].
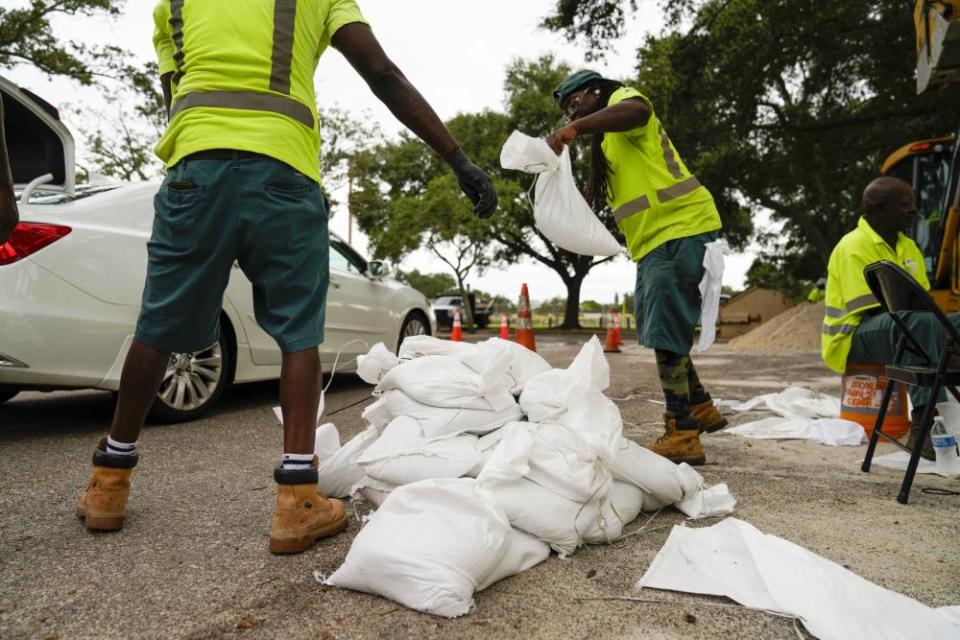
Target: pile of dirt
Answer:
[[796, 329]]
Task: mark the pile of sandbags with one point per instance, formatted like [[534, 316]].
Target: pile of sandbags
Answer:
[[482, 458]]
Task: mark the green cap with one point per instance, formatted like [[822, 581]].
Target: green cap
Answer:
[[574, 83]]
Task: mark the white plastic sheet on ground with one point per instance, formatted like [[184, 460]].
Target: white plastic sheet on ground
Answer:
[[710, 288], [559, 210], [761, 571], [804, 415], [900, 459], [834, 432], [433, 543]]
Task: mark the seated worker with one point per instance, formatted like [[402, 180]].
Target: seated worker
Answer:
[[855, 330]]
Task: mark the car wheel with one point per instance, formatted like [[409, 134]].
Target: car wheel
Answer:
[[482, 321], [193, 382], [415, 324], [7, 395]]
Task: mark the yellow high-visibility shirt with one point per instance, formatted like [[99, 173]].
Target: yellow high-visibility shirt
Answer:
[[243, 75], [654, 196], [848, 296]]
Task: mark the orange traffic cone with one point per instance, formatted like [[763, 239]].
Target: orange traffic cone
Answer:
[[456, 334], [612, 346], [616, 328], [525, 321], [504, 326]]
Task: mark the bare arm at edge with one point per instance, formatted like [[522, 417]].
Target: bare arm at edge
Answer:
[[362, 50], [9, 216]]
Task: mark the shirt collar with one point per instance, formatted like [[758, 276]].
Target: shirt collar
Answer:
[[864, 226]]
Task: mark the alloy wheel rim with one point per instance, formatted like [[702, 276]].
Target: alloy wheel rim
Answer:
[[414, 328], [191, 378]]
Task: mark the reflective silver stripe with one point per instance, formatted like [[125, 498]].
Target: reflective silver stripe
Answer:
[[669, 156], [859, 303], [833, 312], [679, 189], [249, 100], [845, 329], [284, 20], [634, 206], [176, 33]]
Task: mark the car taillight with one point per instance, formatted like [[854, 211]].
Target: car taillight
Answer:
[[29, 237]]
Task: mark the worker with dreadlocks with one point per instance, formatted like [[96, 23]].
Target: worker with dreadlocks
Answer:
[[667, 217]]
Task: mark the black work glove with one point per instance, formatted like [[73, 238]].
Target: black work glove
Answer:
[[474, 183]]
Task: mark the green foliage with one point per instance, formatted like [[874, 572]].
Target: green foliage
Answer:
[[502, 303], [591, 306], [431, 285], [27, 37], [553, 306], [789, 274], [596, 22]]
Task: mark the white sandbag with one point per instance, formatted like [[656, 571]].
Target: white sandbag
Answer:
[[523, 552], [338, 470], [446, 381], [429, 546], [373, 490], [573, 398], [710, 288], [654, 474], [559, 210], [549, 482], [438, 421], [403, 455], [524, 363], [621, 507], [418, 346], [374, 365]]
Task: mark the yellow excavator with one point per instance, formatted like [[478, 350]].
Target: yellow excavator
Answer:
[[933, 166]]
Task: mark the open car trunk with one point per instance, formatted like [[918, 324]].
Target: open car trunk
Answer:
[[37, 142]]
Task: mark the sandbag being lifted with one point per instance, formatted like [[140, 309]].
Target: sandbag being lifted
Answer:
[[559, 210]]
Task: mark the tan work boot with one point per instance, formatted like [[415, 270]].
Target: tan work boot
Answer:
[[302, 515], [709, 417], [679, 445], [104, 503]]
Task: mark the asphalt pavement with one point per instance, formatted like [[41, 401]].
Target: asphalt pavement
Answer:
[[192, 560]]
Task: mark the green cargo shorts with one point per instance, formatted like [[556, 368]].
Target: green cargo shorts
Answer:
[[243, 209], [667, 294]]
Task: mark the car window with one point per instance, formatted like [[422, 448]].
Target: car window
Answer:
[[342, 260]]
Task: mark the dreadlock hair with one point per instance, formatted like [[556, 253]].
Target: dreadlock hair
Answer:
[[598, 184]]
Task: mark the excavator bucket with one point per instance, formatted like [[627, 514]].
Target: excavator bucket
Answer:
[[938, 42]]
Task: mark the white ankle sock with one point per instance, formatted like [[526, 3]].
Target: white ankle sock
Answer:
[[297, 460], [121, 448]]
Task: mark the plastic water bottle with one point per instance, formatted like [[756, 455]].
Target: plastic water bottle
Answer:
[[945, 448]]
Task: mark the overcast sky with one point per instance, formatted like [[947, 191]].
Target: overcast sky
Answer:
[[456, 53]]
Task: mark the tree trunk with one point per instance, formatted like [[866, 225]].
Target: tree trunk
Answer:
[[466, 311], [571, 314]]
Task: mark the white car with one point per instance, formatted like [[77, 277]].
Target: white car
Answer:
[[72, 275]]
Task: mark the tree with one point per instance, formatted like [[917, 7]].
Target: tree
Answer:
[[27, 37], [121, 142], [341, 137], [553, 306], [431, 285], [591, 306], [597, 22], [501, 303]]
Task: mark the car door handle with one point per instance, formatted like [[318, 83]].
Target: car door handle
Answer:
[[335, 284]]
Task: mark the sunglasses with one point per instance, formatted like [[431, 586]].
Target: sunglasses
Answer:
[[574, 103]]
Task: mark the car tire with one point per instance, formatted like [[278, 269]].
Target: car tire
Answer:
[[7, 395], [482, 321], [415, 324], [194, 382]]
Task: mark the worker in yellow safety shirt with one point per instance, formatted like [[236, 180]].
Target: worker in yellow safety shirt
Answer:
[[818, 292], [242, 189], [667, 217], [855, 330]]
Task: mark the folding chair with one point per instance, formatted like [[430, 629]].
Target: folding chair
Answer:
[[899, 295]]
